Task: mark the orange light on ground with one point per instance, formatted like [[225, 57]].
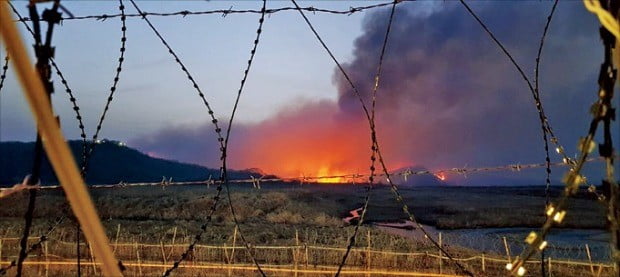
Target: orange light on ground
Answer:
[[440, 176], [324, 171]]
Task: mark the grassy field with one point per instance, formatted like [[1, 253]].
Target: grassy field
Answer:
[[278, 213], [148, 211]]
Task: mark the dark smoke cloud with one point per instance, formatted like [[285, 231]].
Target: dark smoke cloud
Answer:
[[448, 97]]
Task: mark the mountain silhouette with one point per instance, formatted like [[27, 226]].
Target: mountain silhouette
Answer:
[[111, 162]]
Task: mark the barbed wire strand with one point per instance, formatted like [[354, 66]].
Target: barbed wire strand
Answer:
[[60, 75], [88, 148], [546, 142], [601, 110], [75, 108], [224, 157], [218, 131], [377, 149], [5, 68], [43, 52], [347, 177], [36, 245], [373, 141], [226, 12]]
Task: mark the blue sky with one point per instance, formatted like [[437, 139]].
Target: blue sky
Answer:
[[153, 92]]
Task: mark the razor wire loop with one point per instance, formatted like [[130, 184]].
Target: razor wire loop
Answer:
[[545, 139], [43, 51], [218, 133], [224, 170], [602, 111], [64, 82], [373, 138], [376, 146], [268, 12], [5, 68], [544, 120], [88, 148], [74, 104], [35, 246]]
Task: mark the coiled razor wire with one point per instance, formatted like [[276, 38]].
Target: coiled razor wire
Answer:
[[546, 142], [373, 141], [225, 12], [378, 150], [228, 131]]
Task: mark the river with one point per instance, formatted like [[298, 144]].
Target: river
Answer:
[[563, 243]]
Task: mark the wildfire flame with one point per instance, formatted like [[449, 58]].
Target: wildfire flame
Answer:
[[325, 171], [440, 176]]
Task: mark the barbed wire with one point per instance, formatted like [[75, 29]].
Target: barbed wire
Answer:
[[36, 245], [75, 108], [60, 75], [375, 148], [88, 148], [43, 52], [226, 12], [546, 142], [5, 68], [224, 157], [373, 141], [352, 177], [218, 131], [601, 110]]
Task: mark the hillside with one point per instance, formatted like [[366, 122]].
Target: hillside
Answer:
[[111, 162]]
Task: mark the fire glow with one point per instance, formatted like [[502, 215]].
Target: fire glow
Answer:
[[295, 145]]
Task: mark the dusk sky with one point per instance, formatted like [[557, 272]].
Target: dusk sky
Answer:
[[448, 96]]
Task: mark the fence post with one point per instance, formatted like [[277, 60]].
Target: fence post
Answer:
[[118, 231], [549, 266], [47, 261], [507, 250], [174, 237], [306, 247], [483, 266], [231, 260], [440, 257], [368, 259], [92, 259], [296, 252], [590, 259], [138, 256], [163, 252]]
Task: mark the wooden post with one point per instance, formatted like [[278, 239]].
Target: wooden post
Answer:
[[296, 251], [590, 259], [47, 264], [231, 260], [368, 259], [440, 257], [507, 250], [549, 266], [92, 258], [306, 247], [0, 249], [483, 265], [163, 252], [118, 231], [138, 257], [174, 236]]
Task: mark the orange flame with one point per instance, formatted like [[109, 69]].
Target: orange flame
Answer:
[[324, 171], [440, 176]]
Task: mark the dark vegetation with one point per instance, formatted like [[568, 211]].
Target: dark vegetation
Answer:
[[111, 162]]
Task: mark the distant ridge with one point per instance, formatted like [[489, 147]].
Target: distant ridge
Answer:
[[111, 162]]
